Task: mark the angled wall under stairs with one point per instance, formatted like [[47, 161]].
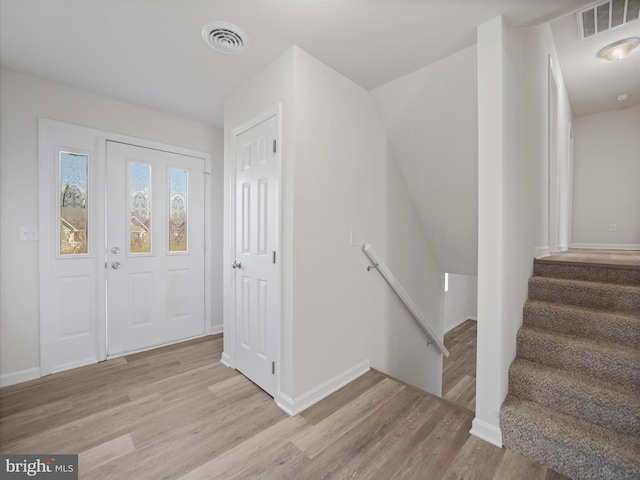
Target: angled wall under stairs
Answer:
[[574, 386]]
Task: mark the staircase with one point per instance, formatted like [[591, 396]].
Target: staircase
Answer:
[[574, 386]]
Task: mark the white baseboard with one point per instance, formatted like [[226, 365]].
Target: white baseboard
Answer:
[[226, 359], [70, 366], [607, 246], [216, 329], [460, 322], [304, 401], [540, 252], [487, 432], [18, 377]]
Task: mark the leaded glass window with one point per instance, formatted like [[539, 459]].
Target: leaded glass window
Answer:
[[73, 169], [178, 210], [139, 208]]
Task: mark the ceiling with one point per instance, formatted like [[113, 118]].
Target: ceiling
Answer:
[[594, 84], [151, 53]]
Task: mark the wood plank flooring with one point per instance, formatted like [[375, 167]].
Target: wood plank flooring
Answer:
[[459, 368], [178, 413]]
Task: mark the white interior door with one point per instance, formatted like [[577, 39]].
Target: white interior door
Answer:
[[256, 279], [155, 247]]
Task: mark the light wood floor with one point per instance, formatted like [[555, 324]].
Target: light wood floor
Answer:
[[459, 368], [629, 258], [178, 413]]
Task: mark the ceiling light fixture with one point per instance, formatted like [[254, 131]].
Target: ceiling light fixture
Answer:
[[622, 97], [619, 50], [225, 37]]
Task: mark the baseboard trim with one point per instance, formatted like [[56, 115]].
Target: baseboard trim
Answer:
[[486, 432], [216, 329], [304, 401], [225, 358], [460, 322], [540, 252], [20, 376], [607, 246]]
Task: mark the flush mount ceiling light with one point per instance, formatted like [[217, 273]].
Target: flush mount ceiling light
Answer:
[[622, 97], [225, 37], [619, 50]]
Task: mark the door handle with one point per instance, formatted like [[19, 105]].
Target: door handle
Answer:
[[115, 265], [236, 264]]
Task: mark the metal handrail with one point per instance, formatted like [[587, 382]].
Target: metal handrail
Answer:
[[404, 296]]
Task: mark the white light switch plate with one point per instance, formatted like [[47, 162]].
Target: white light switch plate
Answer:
[[353, 238], [28, 233]]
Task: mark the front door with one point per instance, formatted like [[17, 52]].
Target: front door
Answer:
[[256, 279], [155, 247]]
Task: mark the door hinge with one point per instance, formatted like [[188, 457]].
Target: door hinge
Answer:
[[273, 258], [274, 145], [273, 368]]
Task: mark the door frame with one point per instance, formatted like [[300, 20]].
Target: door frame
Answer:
[[47, 129], [229, 353]]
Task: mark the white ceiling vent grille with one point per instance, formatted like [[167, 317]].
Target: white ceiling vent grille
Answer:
[[226, 37], [606, 15]]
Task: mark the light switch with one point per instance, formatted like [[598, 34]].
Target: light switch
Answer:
[[353, 238], [28, 233]]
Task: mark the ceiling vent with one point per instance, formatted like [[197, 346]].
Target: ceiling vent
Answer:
[[226, 37], [606, 15]]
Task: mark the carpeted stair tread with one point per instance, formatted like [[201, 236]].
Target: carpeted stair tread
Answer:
[[583, 322], [607, 361], [592, 272], [573, 394], [602, 296], [571, 446]]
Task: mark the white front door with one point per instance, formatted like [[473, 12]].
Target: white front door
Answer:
[[155, 247], [256, 274]]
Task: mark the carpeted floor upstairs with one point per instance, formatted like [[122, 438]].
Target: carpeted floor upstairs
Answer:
[[574, 387]]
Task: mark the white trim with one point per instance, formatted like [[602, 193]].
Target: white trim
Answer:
[[562, 248], [540, 252], [215, 329], [607, 246], [460, 322], [313, 396], [20, 376], [226, 359], [487, 432]]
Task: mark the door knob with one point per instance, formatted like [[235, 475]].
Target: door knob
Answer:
[[115, 265], [236, 264], [115, 250]]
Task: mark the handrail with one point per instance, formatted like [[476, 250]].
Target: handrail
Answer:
[[404, 296]]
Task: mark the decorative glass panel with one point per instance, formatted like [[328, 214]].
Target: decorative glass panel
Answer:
[[73, 203], [139, 208], [178, 213]]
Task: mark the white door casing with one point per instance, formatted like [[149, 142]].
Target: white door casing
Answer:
[[157, 296], [73, 301], [256, 206]]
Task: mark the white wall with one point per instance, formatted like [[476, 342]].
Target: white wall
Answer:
[[460, 301], [431, 120], [339, 176], [607, 179], [513, 196], [22, 100]]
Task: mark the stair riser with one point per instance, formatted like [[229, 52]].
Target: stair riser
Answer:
[[601, 411], [602, 366], [602, 297], [560, 456], [623, 276], [585, 324]]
